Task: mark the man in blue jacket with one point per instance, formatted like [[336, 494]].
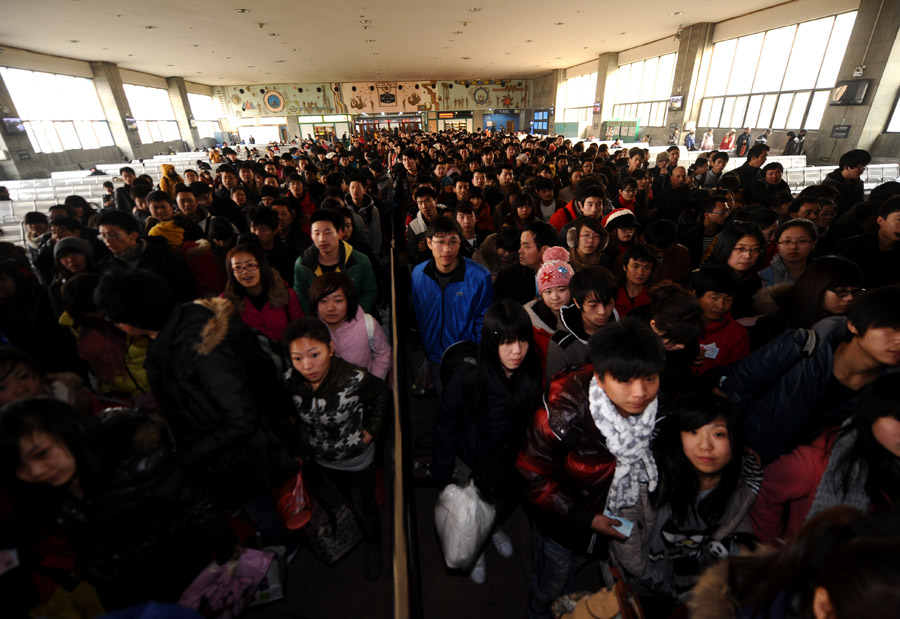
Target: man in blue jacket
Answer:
[[450, 294]]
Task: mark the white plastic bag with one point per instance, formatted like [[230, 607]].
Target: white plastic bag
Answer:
[[463, 521]]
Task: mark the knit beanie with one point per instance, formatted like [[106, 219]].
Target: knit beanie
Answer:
[[619, 218], [73, 243], [556, 271]]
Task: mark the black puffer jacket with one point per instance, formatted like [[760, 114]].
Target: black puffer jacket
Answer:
[[221, 394], [142, 530]]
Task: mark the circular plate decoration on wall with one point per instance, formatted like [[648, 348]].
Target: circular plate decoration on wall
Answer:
[[481, 96], [235, 99], [274, 101]]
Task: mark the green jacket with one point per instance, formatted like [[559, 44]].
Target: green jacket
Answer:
[[355, 264]]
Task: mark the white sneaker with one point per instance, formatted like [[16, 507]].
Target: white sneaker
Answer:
[[479, 572], [502, 544]]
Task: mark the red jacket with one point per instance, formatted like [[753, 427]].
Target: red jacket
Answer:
[[281, 309], [726, 342], [789, 485], [625, 304], [565, 463], [564, 215]]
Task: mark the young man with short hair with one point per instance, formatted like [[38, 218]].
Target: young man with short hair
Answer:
[[878, 252], [749, 171], [368, 210], [472, 235], [124, 198], [517, 281], [717, 167], [330, 253], [593, 293], [290, 233], [698, 238], [846, 179], [264, 224], [416, 245], [599, 418], [805, 380], [120, 232], [450, 294]]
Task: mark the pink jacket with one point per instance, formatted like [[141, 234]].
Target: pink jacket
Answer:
[[351, 343], [280, 310], [789, 485]]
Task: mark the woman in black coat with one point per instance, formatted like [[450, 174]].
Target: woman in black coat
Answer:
[[485, 411], [139, 529]]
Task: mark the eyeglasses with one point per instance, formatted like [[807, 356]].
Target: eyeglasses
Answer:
[[629, 190], [797, 243], [753, 251], [843, 293], [725, 212], [112, 236], [249, 268], [446, 243]]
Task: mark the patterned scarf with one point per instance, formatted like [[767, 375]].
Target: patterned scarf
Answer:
[[628, 439]]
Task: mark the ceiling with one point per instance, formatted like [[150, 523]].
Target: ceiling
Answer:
[[277, 41]]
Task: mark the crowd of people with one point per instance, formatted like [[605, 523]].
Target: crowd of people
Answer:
[[670, 365]]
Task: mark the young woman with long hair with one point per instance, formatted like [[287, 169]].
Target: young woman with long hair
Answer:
[[698, 513], [485, 410], [741, 245]]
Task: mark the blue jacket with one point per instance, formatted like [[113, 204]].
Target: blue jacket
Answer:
[[780, 387], [455, 313]]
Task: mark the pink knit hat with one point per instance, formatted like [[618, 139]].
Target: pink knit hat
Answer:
[[555, 271]]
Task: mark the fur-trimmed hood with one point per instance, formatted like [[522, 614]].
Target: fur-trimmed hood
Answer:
[[279, 294], [712, 597], [216, 329], [768, 300]]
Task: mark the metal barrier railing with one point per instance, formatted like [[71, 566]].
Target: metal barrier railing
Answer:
[[407, 588]]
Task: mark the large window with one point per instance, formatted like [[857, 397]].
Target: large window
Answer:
[[575, 99], [894, 122], [153, 112], [60, 112], [205, 113], [781, 78], [643, 89]]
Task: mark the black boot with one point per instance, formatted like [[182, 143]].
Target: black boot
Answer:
[[373, 560]]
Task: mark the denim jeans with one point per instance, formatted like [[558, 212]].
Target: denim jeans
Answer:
[[553, 574]]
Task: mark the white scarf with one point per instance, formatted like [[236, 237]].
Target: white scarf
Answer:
[[628, 439]]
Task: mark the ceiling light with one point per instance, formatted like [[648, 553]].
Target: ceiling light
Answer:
[[309, 60], [149, 27], [474, 10], [373, 53], [295, 49], [228, 57], [465, 58], [252, 66], [129, 54], [365, 21], [279, 61], [370, 40], [621, 33], [74, 41], [559, 58], [457, 32], [529, 41], [242, 10], [195, 45], [274, 34], [557, 23], [675, 13], [170, 65]]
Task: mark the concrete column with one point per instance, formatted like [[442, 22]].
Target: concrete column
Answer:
[[690, 72], [293, 127], [880, 21], [22, 161], [607, 65], [108, 83], [182, 108]]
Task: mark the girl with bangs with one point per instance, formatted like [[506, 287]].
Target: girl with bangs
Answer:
[[698, 514], [485, 408]]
